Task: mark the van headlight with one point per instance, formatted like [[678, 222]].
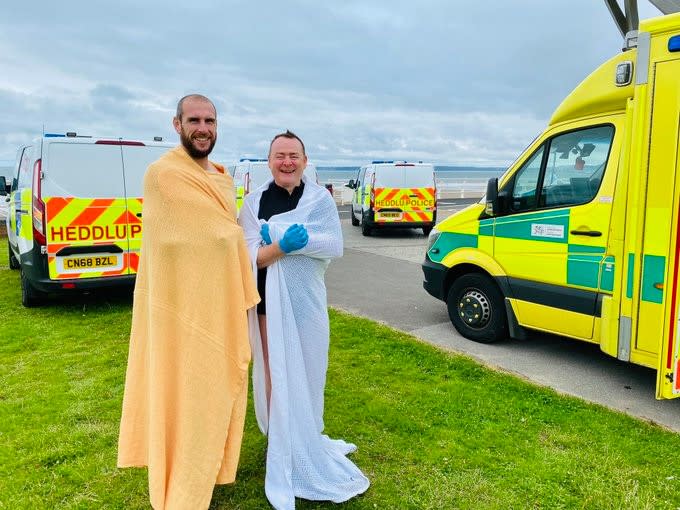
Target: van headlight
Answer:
[[432, 238]]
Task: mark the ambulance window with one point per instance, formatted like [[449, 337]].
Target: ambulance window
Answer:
[[137, 159], [575, 165], [526, 183], [25, 170], [83, 170]]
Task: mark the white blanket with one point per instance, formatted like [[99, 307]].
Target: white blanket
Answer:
[[301, 461]]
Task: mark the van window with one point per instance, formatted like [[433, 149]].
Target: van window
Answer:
[[259, 173], [83, 170], [389, 176], [25, 171], [137, 159]]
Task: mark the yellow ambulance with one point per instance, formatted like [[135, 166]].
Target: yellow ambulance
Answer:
[[75, 212], [581, 236], [394, 194]]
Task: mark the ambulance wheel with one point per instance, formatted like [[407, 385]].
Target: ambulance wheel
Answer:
[[355, 222], [13, 262], [476, 308], [30, 297]]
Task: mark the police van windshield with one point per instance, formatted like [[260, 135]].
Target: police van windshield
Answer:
[[389, 176], [95, 170]]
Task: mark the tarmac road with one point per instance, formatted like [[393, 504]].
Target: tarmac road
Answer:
[[379, 277]]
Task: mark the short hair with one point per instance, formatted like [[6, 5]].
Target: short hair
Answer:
[[292, 136], [200, 97]]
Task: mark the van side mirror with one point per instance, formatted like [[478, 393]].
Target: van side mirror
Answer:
[[3, 185], [492, 206], [351, 184], [15, 184]]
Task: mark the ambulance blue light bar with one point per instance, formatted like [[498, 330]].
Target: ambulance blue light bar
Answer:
[[54, 135], [379, 162], [251, 159], [674, 43]]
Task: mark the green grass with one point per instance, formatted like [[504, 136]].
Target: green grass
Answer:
[[434, 430]]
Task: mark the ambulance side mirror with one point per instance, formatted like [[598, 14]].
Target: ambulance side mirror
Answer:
[[492, 205]]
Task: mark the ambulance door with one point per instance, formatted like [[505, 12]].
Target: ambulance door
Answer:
[[84, 197], [136, 159], [659, 315], [553, 239]]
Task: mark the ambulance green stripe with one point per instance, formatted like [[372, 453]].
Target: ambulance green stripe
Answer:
[[653, 270], [580, 248], [583, 270], [631, 269], [449, 241], [607, 274]]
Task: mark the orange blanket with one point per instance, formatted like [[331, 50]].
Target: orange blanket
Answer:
[[186, 384]]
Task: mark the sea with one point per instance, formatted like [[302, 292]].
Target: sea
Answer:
[[449, 178]]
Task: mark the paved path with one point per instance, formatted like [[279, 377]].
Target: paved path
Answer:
[[379, 277]]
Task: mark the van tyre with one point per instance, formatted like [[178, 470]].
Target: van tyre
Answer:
[[365, 227], [355, 222], [30, 297], [476, 308], [427, 230], [13, 262]]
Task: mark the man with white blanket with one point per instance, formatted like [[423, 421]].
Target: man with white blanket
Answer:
[[292, 231]]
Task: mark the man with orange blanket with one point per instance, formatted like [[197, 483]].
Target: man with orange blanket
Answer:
[[186, 385]]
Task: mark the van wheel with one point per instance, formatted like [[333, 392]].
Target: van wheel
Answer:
[[30, 297], [476, 308], [365, 228], [13, 262], [427, 230], [355, 222]]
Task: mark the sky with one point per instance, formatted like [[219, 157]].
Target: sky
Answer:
[[452, 82]]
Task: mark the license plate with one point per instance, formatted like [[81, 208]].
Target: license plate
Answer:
[[90, 263], [389, 215]]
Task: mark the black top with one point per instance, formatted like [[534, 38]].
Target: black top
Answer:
[[274, 200]]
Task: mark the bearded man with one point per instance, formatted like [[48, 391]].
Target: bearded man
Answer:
[[186, 384]]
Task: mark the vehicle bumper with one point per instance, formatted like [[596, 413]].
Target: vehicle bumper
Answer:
[[34, 266], [434, 278]]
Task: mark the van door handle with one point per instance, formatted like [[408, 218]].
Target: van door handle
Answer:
[[22, 211], [589, 233]]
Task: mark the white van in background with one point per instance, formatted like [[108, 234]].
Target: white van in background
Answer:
[[394, 194], [75, 212], [250, 174]]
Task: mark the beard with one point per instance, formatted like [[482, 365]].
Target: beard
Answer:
[[193, 151]]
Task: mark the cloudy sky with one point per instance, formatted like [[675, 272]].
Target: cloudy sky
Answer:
[[454, 82]]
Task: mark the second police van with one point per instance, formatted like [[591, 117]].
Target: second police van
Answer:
[[581, 236], [75, 212], [250, 174], [391, 194]]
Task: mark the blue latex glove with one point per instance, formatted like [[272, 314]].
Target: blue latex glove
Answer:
[[264, 233], [295, 238]]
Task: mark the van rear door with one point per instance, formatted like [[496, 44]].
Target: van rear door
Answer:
[[404, 192], [136, 159], [84, 195]]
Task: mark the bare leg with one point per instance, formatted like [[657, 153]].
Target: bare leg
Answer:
[[262, 319]]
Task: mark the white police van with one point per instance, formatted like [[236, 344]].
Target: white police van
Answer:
[[75, 212], [394, 194], [249, 174]]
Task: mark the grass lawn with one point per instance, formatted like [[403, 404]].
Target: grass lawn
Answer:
[[434, 430]]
